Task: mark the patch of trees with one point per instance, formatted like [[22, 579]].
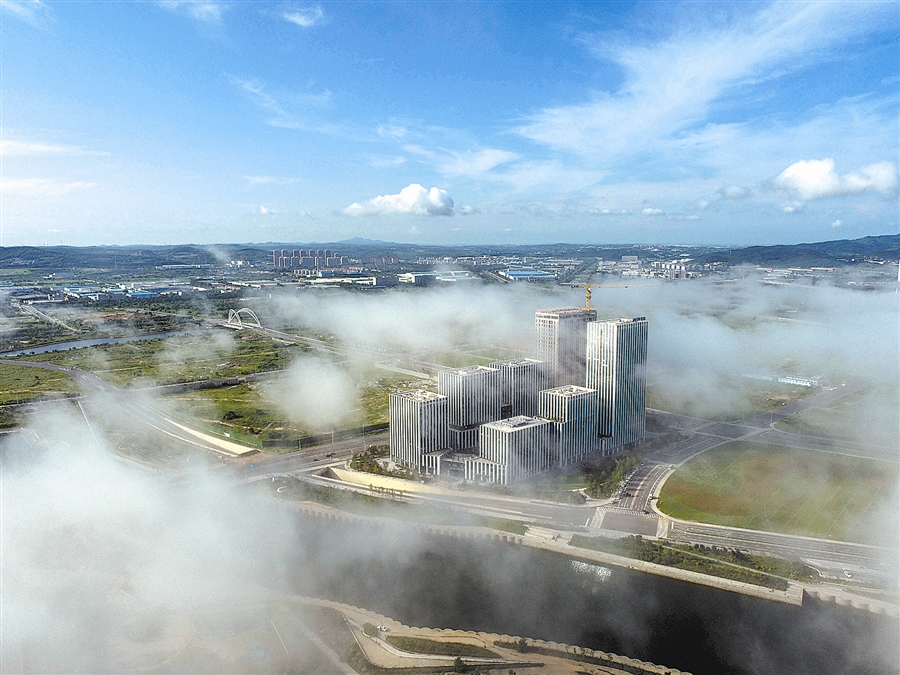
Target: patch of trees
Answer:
[[419, 645], [582, 654], [637, 547], [367, 461], [603, 478]]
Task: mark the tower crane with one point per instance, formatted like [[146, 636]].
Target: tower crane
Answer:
[[587, 289]]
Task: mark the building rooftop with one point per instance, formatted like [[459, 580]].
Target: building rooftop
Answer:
[[512, 363], [420, 395], [570, 390], [567, 311], [471, 370], [632, 320], [517, 422]]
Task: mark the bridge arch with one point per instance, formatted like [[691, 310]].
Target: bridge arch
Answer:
[[234, 318]]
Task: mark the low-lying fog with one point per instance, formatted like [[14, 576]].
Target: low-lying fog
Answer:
[[88, 542]]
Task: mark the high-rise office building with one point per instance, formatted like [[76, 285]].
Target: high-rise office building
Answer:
[[474, 398], [419, 425], [574, 413], [616, 367], [511, 449], [521, 380], [561, 340]]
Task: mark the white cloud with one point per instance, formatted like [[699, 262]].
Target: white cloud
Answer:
[[286, 115], [205, 11], [305, 17], [702, 204], [30, 11], [392, 130], [792, 207], [382, 162], [837, 223], [474, 163], [471, 163], [733, 192], [40, 187], [26, 149], [653, 212], [412, 200], [817, 179], [269, 180], [670, 86]]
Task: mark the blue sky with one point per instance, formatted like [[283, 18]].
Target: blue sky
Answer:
[[448, 122]]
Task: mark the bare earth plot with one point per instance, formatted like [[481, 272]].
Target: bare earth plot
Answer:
[[801, 492]]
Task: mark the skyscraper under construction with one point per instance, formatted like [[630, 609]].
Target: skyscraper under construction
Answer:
[[560, 341]]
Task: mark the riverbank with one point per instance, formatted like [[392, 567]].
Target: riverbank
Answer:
[[545, 539], [512, 652]]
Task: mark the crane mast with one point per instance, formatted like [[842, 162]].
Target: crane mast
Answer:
[[588, 287]]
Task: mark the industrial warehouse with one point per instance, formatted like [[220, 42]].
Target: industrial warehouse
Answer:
[[585, 394]]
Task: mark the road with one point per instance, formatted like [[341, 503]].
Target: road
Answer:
[[866, 564], [634, 509], [831, 558]]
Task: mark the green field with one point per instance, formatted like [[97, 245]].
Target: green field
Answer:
[[249, 413], [20, 384], [745, 398], [870, 416], [803, 492], [171, 360]]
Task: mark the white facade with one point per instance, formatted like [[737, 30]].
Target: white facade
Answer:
[[574, 412], [419, 425], [561, 339], [474, 398], [521, 381], [616, 367], [512, 449]]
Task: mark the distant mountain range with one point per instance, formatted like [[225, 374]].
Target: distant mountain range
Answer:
[[819, 254], [84, 258]]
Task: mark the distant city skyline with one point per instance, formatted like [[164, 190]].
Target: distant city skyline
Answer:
[[207, 122]]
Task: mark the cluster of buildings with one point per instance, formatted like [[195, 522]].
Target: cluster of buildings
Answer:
[[430, 278], [306, 258], [31, 295], [585, 393]]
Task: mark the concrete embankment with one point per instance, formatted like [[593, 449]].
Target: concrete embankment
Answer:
[[542, 539], [550, 657]]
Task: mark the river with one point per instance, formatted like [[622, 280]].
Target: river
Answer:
[[94, 342], [502, 588]]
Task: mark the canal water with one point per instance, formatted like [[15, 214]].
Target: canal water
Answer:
[[503, 588], [94, 342]]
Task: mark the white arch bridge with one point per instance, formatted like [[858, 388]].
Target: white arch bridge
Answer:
[[235, 320]]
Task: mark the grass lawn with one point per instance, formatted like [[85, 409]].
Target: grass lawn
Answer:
[[21, 384], [804, 492], [178, 359], [750, 398], [419, 645], [242, 411], [863, 416]]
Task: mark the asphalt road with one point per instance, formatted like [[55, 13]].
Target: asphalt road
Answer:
[[832, 558]]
